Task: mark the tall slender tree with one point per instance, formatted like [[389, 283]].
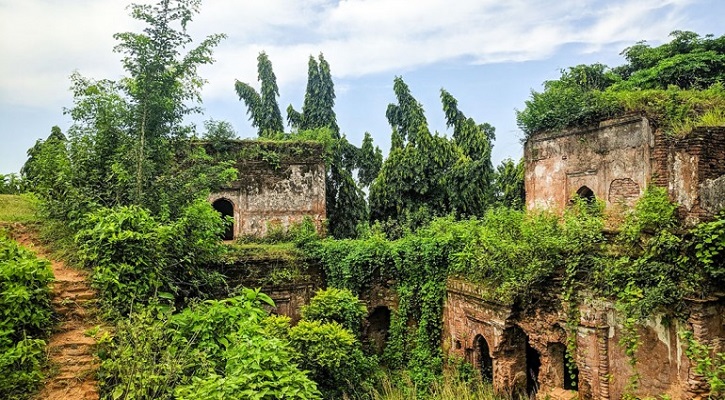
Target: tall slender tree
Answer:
[[318, 107], [262, 107], [427, 175], [163, 83]]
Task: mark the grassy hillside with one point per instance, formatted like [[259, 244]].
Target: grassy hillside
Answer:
[[17, 208]]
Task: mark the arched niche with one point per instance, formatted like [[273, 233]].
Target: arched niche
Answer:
[[586, 194], [226, 208], [484, 362]]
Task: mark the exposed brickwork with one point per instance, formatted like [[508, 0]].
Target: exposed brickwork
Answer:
[[624, 191], [559, 164], [619, 158], [604, 369]]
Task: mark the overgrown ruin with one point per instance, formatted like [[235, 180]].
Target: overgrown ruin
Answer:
[[525, 350], [279, 183], [616, 160], [536, 349]]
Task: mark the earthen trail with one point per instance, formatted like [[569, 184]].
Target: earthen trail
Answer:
[[72, 365]]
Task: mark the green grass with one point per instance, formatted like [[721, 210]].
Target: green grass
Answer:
[[449, 388], [18, 208]]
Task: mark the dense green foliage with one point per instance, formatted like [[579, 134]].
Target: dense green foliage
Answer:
[[678, 85], [262, 108], [136, 258], [345, 200], [128, 142], [336, 305], [426, 175], [11, 184], [214, 349], [522, 257], [326, 346], [131, 188], [317, 109], [508, 185], [25, 318]]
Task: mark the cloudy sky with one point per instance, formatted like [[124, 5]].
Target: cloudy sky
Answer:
[[488, 53]]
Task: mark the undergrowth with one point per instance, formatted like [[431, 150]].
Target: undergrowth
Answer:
[[25, 318]]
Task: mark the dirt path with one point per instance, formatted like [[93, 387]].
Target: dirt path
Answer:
[[72, 364]]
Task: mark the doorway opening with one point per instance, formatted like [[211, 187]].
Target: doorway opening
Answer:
[[378, 328], [533, 365], [226, 209], [484, 362]]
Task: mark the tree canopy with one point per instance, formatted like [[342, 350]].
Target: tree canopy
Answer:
[[262, 107], [677, 84]]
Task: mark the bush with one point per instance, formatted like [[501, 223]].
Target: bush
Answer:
[[214, 349], [136, 258], [258, 367], [25, 317], [336, 305], [334, 358]]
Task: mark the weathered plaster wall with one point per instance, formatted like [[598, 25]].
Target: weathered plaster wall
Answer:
[[618, 159], [604, 368], [612, 159], [279, 184]]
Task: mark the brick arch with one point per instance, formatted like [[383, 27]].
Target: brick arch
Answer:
[[225, 207], [623, 191], [483, 359]]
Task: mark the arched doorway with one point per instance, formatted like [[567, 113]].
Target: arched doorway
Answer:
[[484, 362], [586, 194], [378, 328], [226, 209]]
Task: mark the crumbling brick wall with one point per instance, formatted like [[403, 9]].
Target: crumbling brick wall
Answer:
[[279, 183], [692, 169], [612, 159], [604, 369], [618, 158]]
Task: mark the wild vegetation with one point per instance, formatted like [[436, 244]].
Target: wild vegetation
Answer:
[[124, 194], [25, 319], [679, 85]]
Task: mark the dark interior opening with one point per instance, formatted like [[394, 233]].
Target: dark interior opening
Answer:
[[226, 209], [586, 194], [483, 359], [533, 364], [378, 329], [571, 374]]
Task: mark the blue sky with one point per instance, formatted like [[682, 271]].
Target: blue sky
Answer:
[[488, 53]]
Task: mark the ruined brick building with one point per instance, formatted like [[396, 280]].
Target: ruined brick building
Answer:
[[521, 350], [526, 350], [616, 160], [278, 184]]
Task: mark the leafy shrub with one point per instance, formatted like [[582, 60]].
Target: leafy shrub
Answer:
[[334, 358], [213, 349], [257, 367], [706, 250], [336, 305], [123, 246], [677, 84], [136, 258], [25, 317]]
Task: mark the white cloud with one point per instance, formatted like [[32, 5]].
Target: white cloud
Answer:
[[44, 41]]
